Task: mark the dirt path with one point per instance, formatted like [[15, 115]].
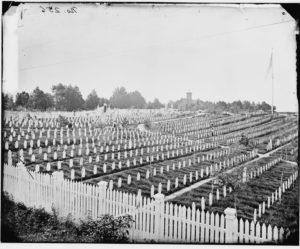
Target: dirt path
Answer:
[[294, 163]]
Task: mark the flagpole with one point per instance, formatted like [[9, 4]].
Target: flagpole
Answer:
[[272, 108]]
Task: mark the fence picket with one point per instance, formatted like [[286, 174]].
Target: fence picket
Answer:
[[217, 231], [207, 220], [222, 233], [166, 228]]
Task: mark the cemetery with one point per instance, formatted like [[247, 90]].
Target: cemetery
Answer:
[[213, 178]]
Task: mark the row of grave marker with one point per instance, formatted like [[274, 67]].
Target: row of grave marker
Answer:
[[275, 196]]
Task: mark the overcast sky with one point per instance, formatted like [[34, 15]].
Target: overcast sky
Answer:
[[217, 53]]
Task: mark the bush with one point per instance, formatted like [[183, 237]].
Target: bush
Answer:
[[147, 124], [124, 122], [107, 229], [22, 224], [244, 140]]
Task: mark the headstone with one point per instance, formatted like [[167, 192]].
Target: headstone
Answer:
[[72, 174], [168, 185], [202, 204], [119, 182], [129, 179], [224, 191], [159, 188], [55, 155], [83, 172], [48, 167], [210, 200]]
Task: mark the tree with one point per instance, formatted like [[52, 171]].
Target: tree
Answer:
[[247, 106], [67, 98], [244, 140], [155, 104], [22, 99], [266, 107], [124, 122], [148, 124], [102, 101], [120, 99], [235, 181], [59, 92], [39, 100], [222, 106], [92, 100], [74, 98], [136, 100], [7, 101], [236, 106]]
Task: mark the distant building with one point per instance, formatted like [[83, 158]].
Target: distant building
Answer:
[[187, 102], [189, 96]]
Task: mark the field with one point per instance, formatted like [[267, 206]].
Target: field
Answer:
[[259, 177]]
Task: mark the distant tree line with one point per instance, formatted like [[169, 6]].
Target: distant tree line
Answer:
[[221, 106], [122, 99], [69, 98]]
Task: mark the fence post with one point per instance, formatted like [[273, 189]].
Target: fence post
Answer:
[[58, 178], [102, 197], [231, 226], [159, 216]]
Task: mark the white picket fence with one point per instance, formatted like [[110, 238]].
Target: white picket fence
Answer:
[[155, 219]]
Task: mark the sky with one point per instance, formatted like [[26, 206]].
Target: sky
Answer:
[[215, 52]]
